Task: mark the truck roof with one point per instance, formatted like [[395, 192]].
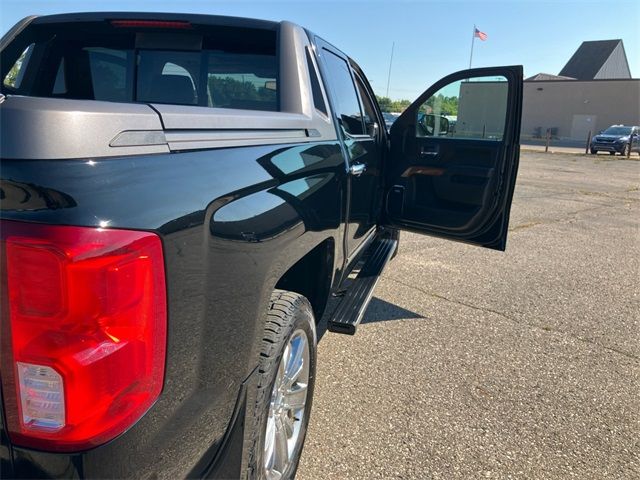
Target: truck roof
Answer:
[[188, 17]]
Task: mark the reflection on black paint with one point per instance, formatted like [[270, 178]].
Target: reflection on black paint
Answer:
[[254, 218], [299, 160], [295, 159], [356, 149], [264, 215], [20, 196], [307, 196]]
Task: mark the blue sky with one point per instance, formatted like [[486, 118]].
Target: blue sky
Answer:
[[431, 39]]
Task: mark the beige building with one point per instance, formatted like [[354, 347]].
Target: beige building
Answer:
[[572, 108]]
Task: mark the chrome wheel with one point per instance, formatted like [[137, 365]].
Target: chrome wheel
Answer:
[[287, 407]]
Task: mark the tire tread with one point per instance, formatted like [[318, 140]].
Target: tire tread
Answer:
[[280, 314]]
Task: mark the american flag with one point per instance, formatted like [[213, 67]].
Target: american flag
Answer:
[[481, 35]]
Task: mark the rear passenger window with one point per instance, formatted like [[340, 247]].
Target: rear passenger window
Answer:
[[344, 92]]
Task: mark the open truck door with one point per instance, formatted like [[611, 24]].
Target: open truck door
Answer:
[[454, 158]]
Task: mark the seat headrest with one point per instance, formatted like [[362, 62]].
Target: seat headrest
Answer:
[[171, 89]]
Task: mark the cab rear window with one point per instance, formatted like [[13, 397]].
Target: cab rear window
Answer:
[[225, 67]]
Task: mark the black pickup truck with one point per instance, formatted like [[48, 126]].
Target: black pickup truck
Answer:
[[180, 197]]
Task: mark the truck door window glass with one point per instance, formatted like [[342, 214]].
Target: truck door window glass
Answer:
[[344, 93], [318, 100], [14, 78], [370, 119], [474, 108]]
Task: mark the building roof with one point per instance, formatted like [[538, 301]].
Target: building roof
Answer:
[[590, 58], [546, 76]]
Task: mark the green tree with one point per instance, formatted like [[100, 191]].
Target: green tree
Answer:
[[441, 104], [388, 105], [385, 103], [12, 76]]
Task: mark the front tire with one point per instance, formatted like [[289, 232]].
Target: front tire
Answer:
[[286, 377], [594, 151]]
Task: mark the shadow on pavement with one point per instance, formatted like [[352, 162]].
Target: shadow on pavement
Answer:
[[377, 311], [381, 311]]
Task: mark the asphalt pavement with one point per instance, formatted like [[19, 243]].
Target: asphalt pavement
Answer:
[[472, 363]]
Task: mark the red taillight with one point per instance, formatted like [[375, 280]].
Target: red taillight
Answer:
[[151, 24], [83, 332]]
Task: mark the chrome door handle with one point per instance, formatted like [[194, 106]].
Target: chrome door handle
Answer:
[[357, 169]]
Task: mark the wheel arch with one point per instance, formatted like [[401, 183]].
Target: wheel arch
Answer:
[[311, 276]]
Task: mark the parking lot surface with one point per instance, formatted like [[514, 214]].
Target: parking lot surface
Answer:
[[472, 363]]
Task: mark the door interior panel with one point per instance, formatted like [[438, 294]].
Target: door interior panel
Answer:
[[450, 186]]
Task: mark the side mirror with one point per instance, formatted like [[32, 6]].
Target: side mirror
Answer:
[[444, 126], [433, 125]]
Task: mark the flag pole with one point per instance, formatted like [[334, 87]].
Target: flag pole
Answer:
[[473, 39], [390, 62]]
